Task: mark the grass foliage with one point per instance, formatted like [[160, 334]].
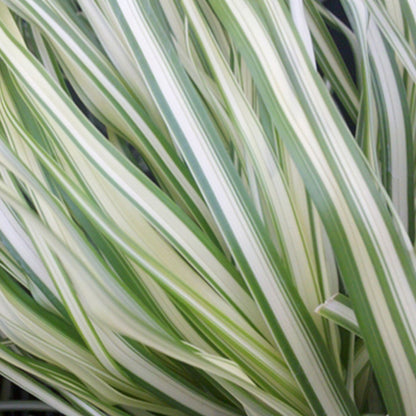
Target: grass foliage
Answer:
[[204, 210]]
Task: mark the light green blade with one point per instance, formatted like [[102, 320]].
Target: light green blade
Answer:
[[375, 260]]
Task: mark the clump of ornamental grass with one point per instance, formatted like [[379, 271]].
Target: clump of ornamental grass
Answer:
[[205, 210]]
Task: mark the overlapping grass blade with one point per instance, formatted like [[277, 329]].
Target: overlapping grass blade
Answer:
[[174, 249], [200, 305], [359, 219], [338, 309]]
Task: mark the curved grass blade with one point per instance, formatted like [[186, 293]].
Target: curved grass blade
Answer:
[[359, 226]]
